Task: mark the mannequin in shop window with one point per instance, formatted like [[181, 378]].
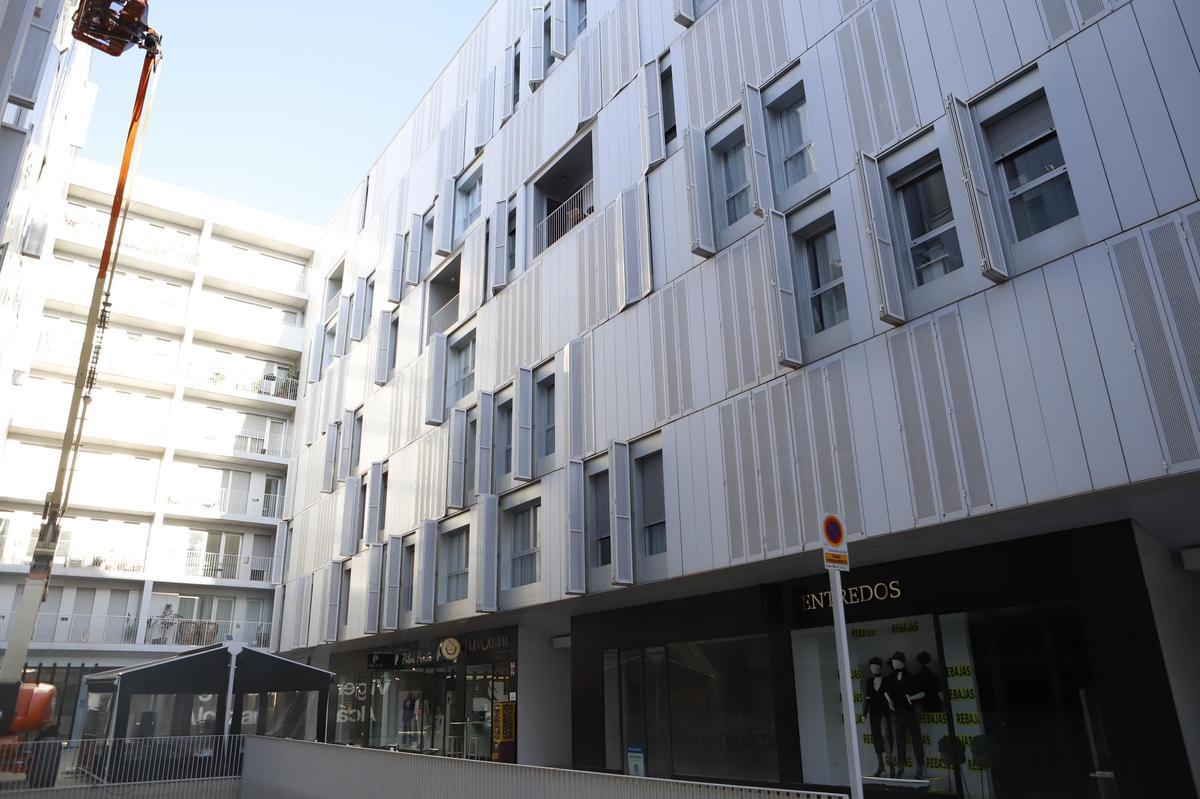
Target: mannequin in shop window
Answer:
[[929, 684], [905, 699], [878, 711]]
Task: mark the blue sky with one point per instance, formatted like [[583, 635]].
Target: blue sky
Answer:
[[279, 105]]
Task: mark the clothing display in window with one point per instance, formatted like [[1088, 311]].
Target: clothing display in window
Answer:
[[906, 697], [878, 711]]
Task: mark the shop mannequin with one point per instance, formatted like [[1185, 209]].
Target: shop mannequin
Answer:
[[906, 696], [878, 710], [929, 684]]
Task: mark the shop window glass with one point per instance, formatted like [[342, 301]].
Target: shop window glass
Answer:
[[612, 711]]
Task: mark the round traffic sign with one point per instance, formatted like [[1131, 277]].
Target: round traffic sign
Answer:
[[833, 531]]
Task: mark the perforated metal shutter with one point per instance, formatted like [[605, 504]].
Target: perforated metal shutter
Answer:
[[412, 271], [523, 425], [351, 523], [396, 272], [484, 465], [330, 461], [684, 12], [374, 588], [359, 310], [699, 194], [790, 351], [576, 533], [654, 146], [425, 588], [280, 553], [961, 394], [621, 527], [915, 450], [633, 253], [856, 95], [498, 268], [443, 220], [558, 28], [507, 98], [588, 49], [576, 386], [391, 593], [456, 475], [383, 334], [435, 406], [994, 265], [314, 356], [341, 338], [345, 445], [881, 252], [488, 561], [485, 110], [374, 501], [763, 193], [333, 599], [537, 47]]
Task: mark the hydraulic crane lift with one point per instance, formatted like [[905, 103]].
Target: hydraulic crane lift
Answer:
[[111, 26]]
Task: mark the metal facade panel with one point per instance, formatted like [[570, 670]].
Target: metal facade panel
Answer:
[[847, 466], [961, 396], [732, 481], [374, 588], [767, 477], [341, 338], [972, 49], [873, 72], [425, 579], [588, 48], [994, 263], [1177, 75], [824, 455], [781, 447], [620, 480], [456, 475], [916, 452], [576, 532], [757, 151], [392, 577], [1179, 284], [374, 502], [351, 522], [654, 148], [856, 95], [883, 255], [699, 194], [484, 463]]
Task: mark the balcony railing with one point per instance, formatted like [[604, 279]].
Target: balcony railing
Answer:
[[272, 505], [444, 318], [88, 629], [274, 444], [259, 567], [563, 219], [227, 500], [140, 239], [230, 377], [173, 631], [192, 563]]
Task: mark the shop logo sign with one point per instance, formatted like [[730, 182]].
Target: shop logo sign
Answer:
[[854, 595], [450, 649]]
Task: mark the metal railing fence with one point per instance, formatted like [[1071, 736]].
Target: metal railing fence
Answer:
[[562, 219]]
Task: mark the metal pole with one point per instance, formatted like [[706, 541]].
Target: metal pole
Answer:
[[847, 686]]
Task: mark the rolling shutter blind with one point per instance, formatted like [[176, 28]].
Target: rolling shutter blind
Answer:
[[498, 266], [508, 84], [654, 145], [537, 47], [891, 309], [277, 564], [383, 335], [684, 12], [523, 425], [351, 524], [487, 564], [576, 535], [443, 219], [412, 272], [391, 593], [332, 599], [425, 587], [558, 28], [331, 444], [970, 150], [484, 466], [340, 338], [359, 312], [374, 501], [790, 352], [456, 493], [374, 587], [435, 408], [345, 445], [756, 142], [699, 194], [1018, 128], [621, 526]]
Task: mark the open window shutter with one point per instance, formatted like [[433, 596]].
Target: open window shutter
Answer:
[[654, 143], [443, 219], [575, 398], [341, 339], [456, 492], [685, 12], [699, 194], [345, 445], [523, 425], [537, 47], [412, 271], [756, 143], [558, 28], [332, 599], [474, 272], [483, 457], [359, 312], [277, 564], [498, 268], [374, 500], [891, 309], [331, 443], [456, 158], [374, 587], [634, 254], [351, 524], [435, 408], [507, 99], [588, 47], [790, 353], [621, 526], [485, 112], [487, 564], [314, 356], [425, 587], [576, 536], [383, 332], [396, 275], [391, 590], [987, 231]]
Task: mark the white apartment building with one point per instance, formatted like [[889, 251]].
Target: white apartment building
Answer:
[[644, 290], [171, 537]]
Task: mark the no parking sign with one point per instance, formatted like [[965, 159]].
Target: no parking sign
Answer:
[[833, 544]]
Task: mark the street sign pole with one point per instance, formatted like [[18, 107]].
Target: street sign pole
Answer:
[[847, 686]]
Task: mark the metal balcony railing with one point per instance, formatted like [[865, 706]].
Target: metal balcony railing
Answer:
[[259, 567], [445, 317], [227, 500], [141, 238], [274, 444], [236, 377], [87, 629], [174, 631], [563, 219], [272, 506]]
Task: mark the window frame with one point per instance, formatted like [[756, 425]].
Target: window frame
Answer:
[[464, 342], [670, 110], [356, 434], [468, 186], [597, 470], [780, 94], [532, 551], [726, 136], [543, 411], [452, 571]]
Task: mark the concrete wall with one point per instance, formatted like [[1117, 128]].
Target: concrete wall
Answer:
[[544, 698]]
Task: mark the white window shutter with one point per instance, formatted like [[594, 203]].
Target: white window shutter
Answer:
[[277, 564], [487, 565], [435, 406], [345, 445], [621, 526], [576, 535], [332, 600], [685, 12], [576, 386], [498, 267], [396, 274], [523, 425], [473, 274], [790, 352], [391, 589], [558, 28], [314, 356], [374, 501], [891, 308], [537, 47], [485, 110], [699, 194], [425, 582], [374, 587], [359, 310], [331, 444], [341, 338], [507, 98], [456, 492], [634, 242], [456, 158], [351, 523], [654, 142], [588, 47], [383, 334], [412, 271], [763, 193], [484, 466], [443, 219], [987, 232]]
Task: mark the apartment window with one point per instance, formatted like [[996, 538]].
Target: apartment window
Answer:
[[455, 549], [1032, 170], [827, 292], [790, 122], [598, 519], [383, 489], [525, 555], [576, 21], [516, 75], [652, 516], [544, 416], [470, 198], [734, 178], [503, 431], [327, 347], [546, 47], [461, 374], [929, 224], [510, 241], [667, 80], [356, 440], [407, 569], [393, 339]]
